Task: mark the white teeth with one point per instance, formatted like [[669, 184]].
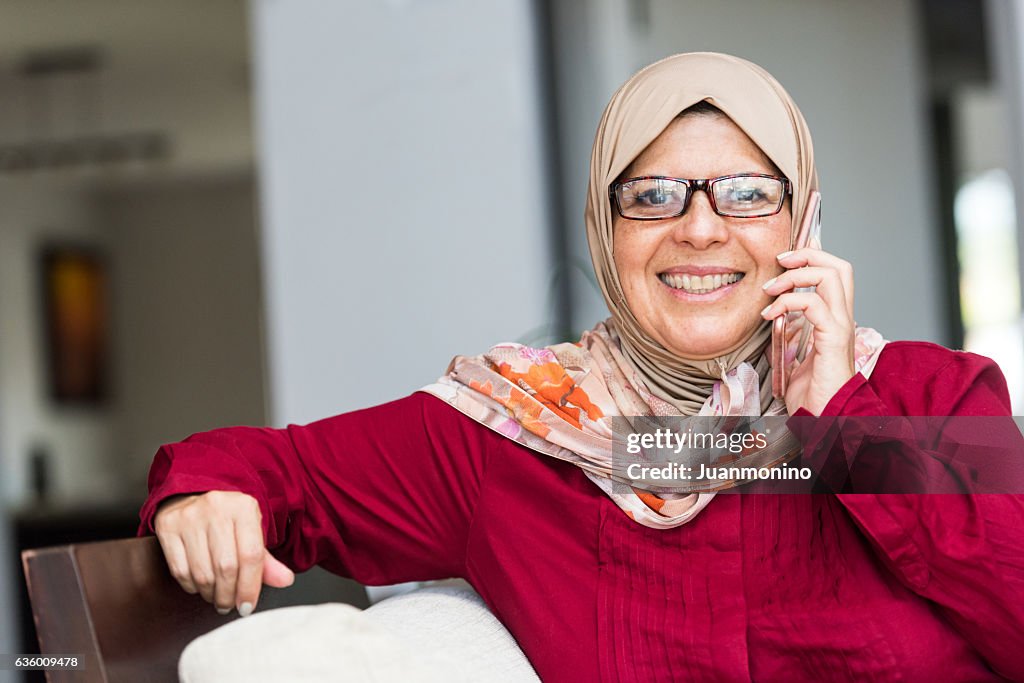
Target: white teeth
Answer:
[[696, 284]]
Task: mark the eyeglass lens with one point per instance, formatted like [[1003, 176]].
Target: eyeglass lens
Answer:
[[736, 196]]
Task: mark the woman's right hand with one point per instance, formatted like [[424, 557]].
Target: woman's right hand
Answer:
[[213, 543]]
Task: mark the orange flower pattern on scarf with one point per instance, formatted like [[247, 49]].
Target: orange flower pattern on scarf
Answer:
[[526, 412], [554, 388]]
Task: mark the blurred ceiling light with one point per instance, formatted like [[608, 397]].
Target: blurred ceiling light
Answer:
[[74, 70]]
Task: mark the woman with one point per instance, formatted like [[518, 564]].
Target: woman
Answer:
[[613, 582]]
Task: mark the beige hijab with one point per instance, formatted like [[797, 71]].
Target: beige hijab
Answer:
[[638, 112]]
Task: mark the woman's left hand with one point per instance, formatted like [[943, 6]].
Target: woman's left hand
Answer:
[[828, 364]]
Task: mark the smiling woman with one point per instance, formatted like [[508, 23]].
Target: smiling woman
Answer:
[[694, 281], [515, 480]]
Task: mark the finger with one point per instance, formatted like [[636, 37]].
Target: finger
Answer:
[[276, 573], [224, 560], [813, 307], [198, 551], [249, 538], [177, 561], [826, 281], [816, 257]]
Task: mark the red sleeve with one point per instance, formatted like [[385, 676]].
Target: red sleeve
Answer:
[[383, 495], [965, 553]]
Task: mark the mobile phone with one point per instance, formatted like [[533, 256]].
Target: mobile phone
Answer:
[[791, 331]]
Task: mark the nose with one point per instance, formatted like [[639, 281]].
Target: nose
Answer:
[[700, 226]]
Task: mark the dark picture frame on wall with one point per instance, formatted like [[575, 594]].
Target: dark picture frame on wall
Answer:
[[76, 322]]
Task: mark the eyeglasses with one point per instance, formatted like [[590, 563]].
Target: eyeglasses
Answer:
[[744, 195]]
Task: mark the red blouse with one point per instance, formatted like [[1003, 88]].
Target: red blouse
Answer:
[[845, 587]]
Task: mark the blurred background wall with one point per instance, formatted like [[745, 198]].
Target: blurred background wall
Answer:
[[175, 228], [335, 198], [405, 193]]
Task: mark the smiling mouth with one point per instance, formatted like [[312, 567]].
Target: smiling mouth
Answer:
[[699, 284]]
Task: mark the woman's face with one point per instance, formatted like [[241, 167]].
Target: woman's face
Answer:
[[652, 257]]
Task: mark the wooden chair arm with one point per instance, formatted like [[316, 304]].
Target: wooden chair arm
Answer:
[[116, 604]]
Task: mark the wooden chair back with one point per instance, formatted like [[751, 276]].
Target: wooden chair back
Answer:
[[115, 604]]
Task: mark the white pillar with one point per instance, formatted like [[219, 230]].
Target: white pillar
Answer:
[[1005, 20], [402, 193]]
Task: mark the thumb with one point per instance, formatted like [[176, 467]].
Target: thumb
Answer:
[[275, 573]]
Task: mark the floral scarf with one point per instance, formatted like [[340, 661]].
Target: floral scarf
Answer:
[[557, 400]]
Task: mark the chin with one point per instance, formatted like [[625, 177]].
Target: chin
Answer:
[[712, 342], [700, 352]]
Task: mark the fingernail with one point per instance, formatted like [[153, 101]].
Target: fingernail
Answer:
[[783, 255], [765, 311], [223, 611], [769, 283], [245, 609]]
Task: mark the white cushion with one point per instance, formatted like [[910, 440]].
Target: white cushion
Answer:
[[433, 634], [456, 621]]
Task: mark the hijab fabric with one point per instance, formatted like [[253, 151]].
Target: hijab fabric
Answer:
[[559, 400]]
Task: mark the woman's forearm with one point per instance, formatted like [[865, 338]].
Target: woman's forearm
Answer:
[[382, 495]]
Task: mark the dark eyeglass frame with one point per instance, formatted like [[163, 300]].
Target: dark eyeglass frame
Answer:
[[704, 184]]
